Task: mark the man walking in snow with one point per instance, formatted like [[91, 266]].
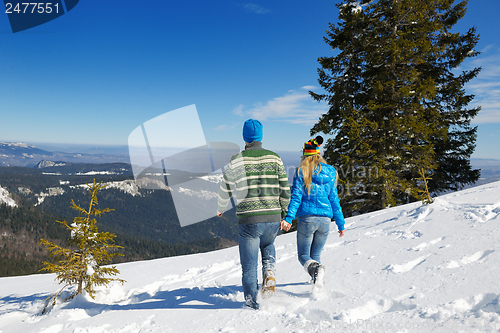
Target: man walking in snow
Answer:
[[263, 195]]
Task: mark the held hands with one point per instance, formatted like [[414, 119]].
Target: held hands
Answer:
[[284, 225]]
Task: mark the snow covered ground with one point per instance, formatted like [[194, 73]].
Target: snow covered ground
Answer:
[[411, 268]]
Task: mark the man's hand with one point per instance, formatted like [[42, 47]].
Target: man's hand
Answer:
[[284, 225], [341, 233], [219, 214]]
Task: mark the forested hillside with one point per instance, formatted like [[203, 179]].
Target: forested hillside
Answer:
[[144, 221]]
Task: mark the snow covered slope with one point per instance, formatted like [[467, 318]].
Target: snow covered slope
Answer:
[[6, 198], [411, 268]]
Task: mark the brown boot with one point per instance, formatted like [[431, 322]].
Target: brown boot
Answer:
[[268, 284]]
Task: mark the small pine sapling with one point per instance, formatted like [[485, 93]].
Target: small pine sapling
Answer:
[[80, 264]]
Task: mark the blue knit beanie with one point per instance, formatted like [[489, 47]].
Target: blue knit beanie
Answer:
[[252, 130]]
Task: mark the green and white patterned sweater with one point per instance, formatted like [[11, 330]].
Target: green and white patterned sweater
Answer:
[[261, 182]]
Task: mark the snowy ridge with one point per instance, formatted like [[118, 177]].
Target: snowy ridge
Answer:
[[127, 186], [93, 173], [5, 198], [47, 164], [16, 144], [204, 194], [411, 268], [213, 178], [51, 191]]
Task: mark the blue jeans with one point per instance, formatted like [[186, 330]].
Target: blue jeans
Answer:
[[312, 232], [251, 238]]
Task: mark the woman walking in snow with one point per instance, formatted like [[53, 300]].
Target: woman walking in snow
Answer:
[[314, 200]]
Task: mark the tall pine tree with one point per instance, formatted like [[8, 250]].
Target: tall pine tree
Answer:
[[397, 109]]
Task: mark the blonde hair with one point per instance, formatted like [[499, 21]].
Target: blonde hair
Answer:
[[308, 164]]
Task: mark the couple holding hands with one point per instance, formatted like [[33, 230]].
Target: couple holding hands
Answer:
[[265, 204]]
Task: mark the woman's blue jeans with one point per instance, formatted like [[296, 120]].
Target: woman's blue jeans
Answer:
[[253, 237], [312, 232]]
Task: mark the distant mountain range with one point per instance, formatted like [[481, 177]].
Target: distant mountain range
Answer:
[[22, 154]]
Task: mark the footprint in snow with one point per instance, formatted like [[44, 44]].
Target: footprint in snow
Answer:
[[479, 256], [424, 245], [408, 266]]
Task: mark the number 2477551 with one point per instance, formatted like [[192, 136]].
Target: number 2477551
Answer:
[[32, 7]]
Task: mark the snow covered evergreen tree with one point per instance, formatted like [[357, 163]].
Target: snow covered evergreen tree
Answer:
[[80, 264], [397, 108]]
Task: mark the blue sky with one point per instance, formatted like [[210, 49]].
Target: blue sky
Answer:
[[98, 72]]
